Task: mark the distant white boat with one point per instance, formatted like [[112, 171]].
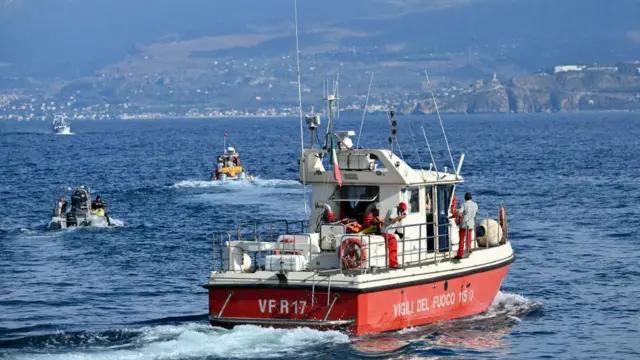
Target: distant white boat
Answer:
[[61, 126]]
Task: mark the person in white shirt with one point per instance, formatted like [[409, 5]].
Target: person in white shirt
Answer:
[[394, 216], [467, 213]]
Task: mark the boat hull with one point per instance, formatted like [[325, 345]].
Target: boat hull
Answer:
[[62, 131], [233, 179], [357, 311], [79, 220]]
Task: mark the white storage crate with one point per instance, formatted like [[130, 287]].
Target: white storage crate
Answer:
[[285, 262]]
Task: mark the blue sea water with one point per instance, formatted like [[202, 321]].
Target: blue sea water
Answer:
[[570, 184]]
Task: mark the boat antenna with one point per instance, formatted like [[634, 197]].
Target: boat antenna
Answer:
[[302, 166], [325, 91], [325, 96], [224, 142], [435, 104], [331, 98], [364, 112], [337, 92], [392, 136], [415, 147], [429, 148]]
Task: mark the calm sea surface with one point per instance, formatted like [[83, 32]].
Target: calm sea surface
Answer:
[[570, 183]]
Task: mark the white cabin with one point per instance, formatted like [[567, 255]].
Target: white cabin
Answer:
[[375, 176]]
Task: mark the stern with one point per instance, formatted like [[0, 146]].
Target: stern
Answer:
[[282, 308]]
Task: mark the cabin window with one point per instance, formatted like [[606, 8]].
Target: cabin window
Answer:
[[413, 196], [428, 199], [355, 200]]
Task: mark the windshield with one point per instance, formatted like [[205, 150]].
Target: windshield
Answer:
[[354, 200]]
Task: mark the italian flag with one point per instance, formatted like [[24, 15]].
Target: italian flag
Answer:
[[336, 169]]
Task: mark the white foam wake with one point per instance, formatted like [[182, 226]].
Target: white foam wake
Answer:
[[511, 305], [100, 222], [200, 341], [95, 222], [257, 182]]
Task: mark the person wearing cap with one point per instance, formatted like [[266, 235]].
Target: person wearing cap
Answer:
[[394, 216], [467, 212]]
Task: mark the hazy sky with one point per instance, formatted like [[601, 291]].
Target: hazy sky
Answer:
[[58, 36]]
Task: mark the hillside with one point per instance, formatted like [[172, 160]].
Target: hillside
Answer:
[[587, 90]]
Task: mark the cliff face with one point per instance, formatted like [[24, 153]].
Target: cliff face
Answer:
[[573, 91]]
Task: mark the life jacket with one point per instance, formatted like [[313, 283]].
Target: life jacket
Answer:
[[353, 228], [371, 224]]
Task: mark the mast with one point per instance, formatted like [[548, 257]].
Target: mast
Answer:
[[330, 99], [302, 158]]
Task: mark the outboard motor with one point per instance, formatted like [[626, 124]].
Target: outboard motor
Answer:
[[71, 219], [241, 176], [223, 177]]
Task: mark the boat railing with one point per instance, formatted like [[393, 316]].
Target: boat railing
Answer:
[[411, 251], [420, 250], [423, 244], [267, 230], [257, 231]]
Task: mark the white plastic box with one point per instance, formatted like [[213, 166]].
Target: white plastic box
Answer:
[[240, 261], [285, 262]]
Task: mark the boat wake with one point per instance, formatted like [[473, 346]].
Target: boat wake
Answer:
[[185, 341], [257, 182], [188, 340], [512, 306], [40, 229], [100, 222], [481, 333]]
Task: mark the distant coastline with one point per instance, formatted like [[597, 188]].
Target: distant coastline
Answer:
[[194, 117], [564, 89]]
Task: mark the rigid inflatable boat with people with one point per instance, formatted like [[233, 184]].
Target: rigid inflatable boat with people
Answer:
[[377, 253], [228, 167], [81, 212], [60, 125]]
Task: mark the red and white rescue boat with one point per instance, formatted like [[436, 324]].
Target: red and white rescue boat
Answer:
[[333, 275]]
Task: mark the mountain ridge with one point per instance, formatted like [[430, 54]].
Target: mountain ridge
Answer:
[[232, 54]]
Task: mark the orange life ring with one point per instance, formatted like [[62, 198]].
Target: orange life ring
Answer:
[[352, 260], [288, 241]]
